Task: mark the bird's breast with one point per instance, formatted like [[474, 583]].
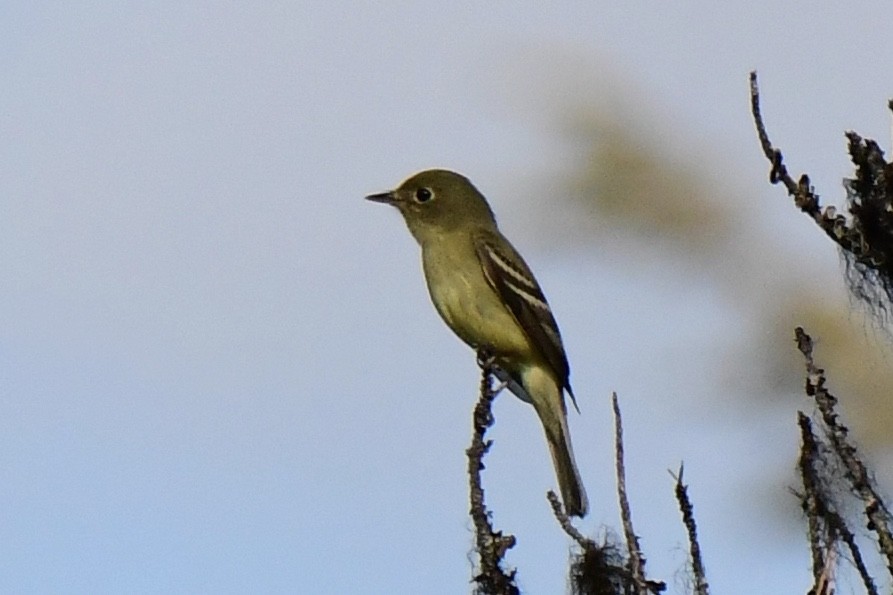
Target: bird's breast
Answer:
[[467, 303]]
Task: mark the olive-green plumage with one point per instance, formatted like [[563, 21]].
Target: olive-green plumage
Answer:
[[487, 295]]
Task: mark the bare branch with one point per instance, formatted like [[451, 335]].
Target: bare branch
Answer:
[[856, 473], [636, 561], [688, 519], [565, 521], [804, 198], [491, 545], [842, 531], [811, 498], [866, 237], [819, 508]]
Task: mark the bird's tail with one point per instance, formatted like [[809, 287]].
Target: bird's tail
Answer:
[[572, 493], [548, 401]]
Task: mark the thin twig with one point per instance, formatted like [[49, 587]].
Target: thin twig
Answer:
[[811, 498], [834, 225], [636, 561], [843, 532], [491, 544], [688, 519], [804, 197], [565, 521]]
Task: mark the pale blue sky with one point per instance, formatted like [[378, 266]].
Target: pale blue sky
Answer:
[[219, 369]]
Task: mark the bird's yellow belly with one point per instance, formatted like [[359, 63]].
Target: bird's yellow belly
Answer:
[[473, 310]]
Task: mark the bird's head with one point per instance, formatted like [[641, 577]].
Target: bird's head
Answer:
[[438, 201]]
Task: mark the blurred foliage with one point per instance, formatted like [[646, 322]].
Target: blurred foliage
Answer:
[[628, 179]]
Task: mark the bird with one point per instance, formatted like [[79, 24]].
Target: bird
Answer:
[[484, 291]]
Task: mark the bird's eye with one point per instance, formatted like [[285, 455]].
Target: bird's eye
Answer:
[[423, 194]]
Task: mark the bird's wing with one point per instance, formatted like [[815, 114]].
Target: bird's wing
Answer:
[[512, 280]]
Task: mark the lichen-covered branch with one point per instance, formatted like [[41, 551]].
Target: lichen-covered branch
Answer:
[[866, 235], [688, 519], [491, 545], [805, 198], [826, 526], [856, 474], [811, 498]]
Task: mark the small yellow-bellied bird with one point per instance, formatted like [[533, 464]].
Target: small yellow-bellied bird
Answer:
[[485, 292]]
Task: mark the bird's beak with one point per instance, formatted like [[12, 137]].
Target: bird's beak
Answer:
[[387, 198]]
